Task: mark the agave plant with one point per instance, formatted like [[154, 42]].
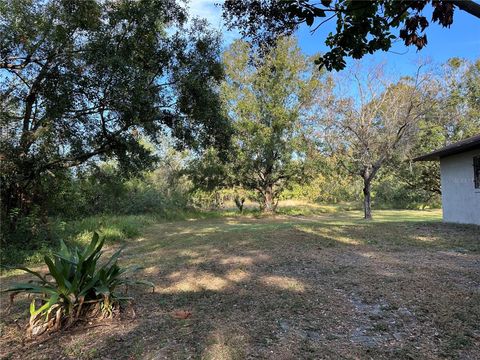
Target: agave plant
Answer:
[[76, 284]]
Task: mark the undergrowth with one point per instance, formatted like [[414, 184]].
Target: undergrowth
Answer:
[[114, 228]]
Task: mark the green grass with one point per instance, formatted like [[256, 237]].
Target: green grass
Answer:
[[288, 283], [115, 228], [78, 232], [302, 208], [118, 228]]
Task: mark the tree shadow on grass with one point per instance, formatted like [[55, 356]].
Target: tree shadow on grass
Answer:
[[292, 290]]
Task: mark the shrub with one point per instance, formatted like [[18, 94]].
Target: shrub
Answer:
[[76, 285]]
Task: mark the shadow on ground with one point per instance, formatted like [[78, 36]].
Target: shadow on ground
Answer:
[[289, 288]]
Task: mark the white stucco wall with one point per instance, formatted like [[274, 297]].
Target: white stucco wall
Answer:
[[460, 199]]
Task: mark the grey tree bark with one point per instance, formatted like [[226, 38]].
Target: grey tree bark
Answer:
[[367, 200]]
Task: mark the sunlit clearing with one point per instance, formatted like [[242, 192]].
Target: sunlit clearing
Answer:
[[209, 229], [379, 257], [329, 234], [219, 352], [223, 344], [150, 270], [237, 275], [428, 239], [243, 260], [189, 253], [233, 222], [284, 283], [205, 230], [194, 281]]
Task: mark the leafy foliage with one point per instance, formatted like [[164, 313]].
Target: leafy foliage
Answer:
[[99, 189], [327, 182], [76, 281], [362, 27], [88, 81], [268, 100], [453, 117], [375, 134]]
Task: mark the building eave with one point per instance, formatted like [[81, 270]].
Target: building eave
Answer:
[[471, 143]]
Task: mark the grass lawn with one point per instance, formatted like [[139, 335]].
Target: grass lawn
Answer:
[[300, 285]]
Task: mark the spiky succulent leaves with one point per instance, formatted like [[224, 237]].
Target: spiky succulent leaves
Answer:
[[42, 278], [77, 277], [32, 289], [45, 307]]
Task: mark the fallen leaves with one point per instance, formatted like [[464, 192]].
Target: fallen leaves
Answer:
[[181, 314]]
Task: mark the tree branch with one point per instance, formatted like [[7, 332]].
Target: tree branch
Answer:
[[468, 6]]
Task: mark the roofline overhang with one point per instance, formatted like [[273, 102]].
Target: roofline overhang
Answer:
[[471, 143]]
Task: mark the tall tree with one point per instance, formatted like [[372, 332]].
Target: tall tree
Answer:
[[362, 27], [87, 80], [454, 116], [374, 123], [268, 99]]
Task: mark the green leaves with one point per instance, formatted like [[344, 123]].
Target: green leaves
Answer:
[[77, 278], [267, 100], [45, 307], [95, 77]]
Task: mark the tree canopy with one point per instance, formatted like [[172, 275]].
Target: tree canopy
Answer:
[[374, 121], [88, 80], [268, 100], [454, 116], [362, 27]]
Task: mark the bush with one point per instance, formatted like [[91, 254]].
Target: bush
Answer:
[[75, 285], [390, 193], [332, 189]]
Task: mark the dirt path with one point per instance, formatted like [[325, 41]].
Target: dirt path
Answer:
[[288, 288]]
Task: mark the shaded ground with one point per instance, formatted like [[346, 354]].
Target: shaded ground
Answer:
[[404, 286]]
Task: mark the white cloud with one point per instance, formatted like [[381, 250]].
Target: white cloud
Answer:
[[206, 9], [212, 11]]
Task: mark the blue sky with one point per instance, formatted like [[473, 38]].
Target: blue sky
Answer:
[[461, 40]]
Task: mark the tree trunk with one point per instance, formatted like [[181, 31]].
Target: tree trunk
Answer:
[[239, 202], [367, 205], [269, 201]]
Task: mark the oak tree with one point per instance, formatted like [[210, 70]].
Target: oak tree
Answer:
[[87, 80], [268, 100]]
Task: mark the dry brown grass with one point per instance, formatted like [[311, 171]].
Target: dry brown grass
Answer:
[[288, 287]]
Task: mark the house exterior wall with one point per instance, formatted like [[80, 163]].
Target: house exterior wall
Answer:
[[460, 199]]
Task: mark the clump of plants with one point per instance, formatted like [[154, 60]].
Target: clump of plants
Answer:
[[77, 286]]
